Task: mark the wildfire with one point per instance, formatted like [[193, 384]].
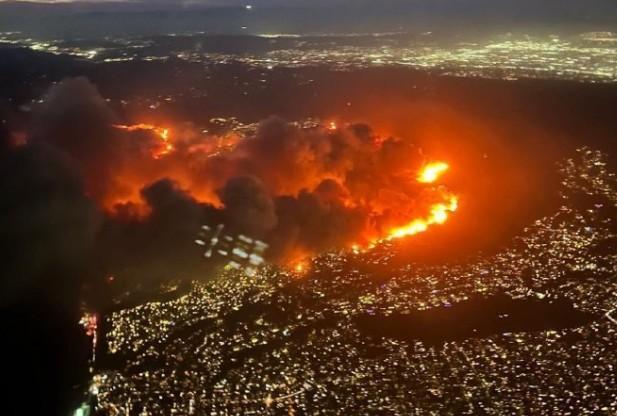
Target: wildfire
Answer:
[[432, 172], [438, 213], [439, 204], [301, 267], [163, 133]]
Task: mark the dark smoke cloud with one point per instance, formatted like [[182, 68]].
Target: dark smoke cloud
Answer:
[[75, 119], [4, 139], [329, 187], [47, 223], [248, 206], [54, 233], [162, 246], [315, 221], [48, 228], [288, 159], [301, 190], [73, 162], [73, 116]]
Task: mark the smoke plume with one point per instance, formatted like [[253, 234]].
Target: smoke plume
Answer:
[[137, 195]]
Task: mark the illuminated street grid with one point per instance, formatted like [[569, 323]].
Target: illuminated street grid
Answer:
[[279, 343], [586, 57]]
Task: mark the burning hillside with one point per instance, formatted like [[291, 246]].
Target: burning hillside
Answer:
[[285, 183], [303, 190]]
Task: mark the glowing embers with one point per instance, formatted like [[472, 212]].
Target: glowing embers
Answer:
[[432, 172], [164, 134], [301, 267], [89, 322]]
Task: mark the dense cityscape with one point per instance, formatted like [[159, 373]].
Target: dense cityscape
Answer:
[[586, 57], [308, 207], [529, 329]]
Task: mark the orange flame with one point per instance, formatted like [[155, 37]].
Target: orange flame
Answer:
[[163, 133], [301, 267], [432, 172], [439, 214]]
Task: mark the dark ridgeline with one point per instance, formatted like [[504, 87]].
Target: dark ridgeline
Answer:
[[477, 317]]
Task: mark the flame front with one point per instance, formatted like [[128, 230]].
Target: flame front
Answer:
[[432, 172], [163, 133], [390, 206], [438, 213]]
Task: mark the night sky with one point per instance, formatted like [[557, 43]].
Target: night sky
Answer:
[[106, 17]]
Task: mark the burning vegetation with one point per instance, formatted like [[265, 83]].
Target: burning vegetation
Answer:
[[304, 190], [285, 182], [163, 133], [432, 171]]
